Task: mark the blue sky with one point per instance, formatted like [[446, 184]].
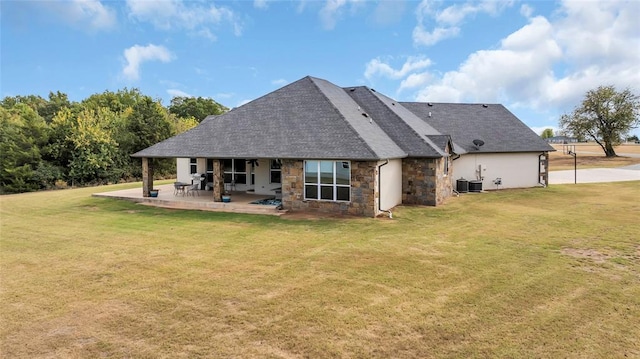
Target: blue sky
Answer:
[[538, 58]]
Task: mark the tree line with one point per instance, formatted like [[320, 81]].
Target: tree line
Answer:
[[55, 142]]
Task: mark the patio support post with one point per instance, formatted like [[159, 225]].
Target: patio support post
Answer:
[[147, 177], [218, 181]]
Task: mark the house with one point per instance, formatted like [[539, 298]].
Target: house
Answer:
[[496, 146], [562, 139], [350, 150]]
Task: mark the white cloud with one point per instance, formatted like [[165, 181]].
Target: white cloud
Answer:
[[86, 13], [206, 33], [526, 10], [415, 80], [279, 82], [388, 12], [137, 54], [334, 9], [178, 93], [196, 17], [330, 12], [260, 4], [449, 19], [520, 68], [380, 68], [424, 37], [549, 64]]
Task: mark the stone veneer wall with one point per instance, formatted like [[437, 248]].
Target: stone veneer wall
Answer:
[[364, 195], [424, 182], [218, 181]]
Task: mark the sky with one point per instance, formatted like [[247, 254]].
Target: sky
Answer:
[[537, 58]]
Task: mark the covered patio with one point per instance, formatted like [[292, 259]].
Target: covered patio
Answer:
[[199, 200]]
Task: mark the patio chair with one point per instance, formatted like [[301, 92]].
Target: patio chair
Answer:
[[178, 188], [194, 189]]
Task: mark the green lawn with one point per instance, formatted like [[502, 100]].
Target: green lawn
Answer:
[[539, 273]]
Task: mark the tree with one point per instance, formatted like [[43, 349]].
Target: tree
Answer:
[[605, 116], [547, 133], [94, 149], [22, 133], [196, 107]]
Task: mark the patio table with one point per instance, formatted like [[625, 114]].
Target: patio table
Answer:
[[179, 188]]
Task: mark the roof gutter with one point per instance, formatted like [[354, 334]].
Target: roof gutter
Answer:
[[380, 189]]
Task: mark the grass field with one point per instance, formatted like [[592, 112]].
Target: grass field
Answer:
[[537, 273], [590, 155]]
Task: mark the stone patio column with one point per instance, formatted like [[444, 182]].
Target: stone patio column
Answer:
[[218, 181], [147, 177]]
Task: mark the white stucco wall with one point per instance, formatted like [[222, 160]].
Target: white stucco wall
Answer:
[[182, 170], [517, 170], [262, 177], [390, 184]]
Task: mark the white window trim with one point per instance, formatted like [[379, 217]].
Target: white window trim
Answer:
[[320, 185]]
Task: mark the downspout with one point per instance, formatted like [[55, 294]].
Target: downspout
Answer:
[[380, 189], [453, 188]]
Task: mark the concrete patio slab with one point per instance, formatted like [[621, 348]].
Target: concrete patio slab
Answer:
[[201, 200]]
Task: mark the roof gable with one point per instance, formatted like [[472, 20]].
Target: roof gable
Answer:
[[404, 127]]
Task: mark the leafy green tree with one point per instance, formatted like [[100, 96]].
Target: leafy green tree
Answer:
[[547, 133], [149, 123], [48, 141], [93, 147], [196, 107], [34, 101], [59, 151], [181, 124], [47, 109], [22, 133], [83, 145], [117, 102], [605, 116], [57, 101]]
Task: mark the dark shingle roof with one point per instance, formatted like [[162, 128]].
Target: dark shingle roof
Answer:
[[500, 130], [310, 118], [315, 119], [405, 128], [441, 141]]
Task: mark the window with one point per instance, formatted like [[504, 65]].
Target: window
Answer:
[[235, 170], [275, 173], [193, 165], [209, 170], [327, 180]]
